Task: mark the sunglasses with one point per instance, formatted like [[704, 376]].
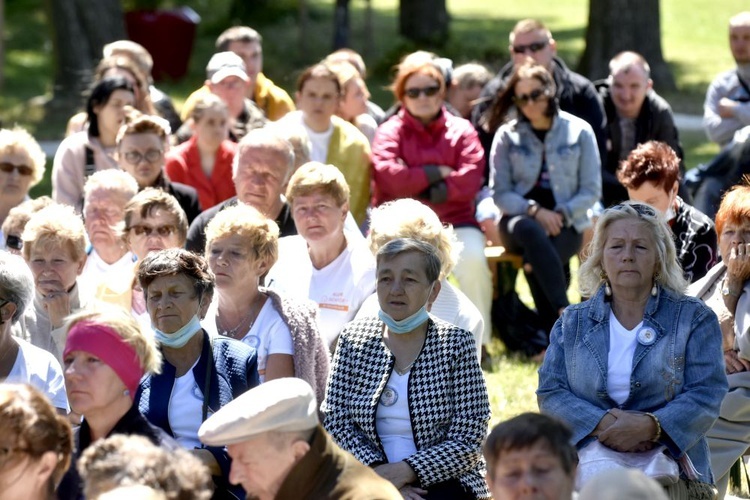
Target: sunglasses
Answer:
[[151, 156], [533, 96], [533, 47], [162, 231], [8, 168], [14, 242], [427, 91], [639, 208]]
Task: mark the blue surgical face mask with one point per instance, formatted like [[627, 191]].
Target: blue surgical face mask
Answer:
[[180, 337], [407, 324]]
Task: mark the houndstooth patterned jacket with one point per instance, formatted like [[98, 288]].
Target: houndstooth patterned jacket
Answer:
[[448, 402]]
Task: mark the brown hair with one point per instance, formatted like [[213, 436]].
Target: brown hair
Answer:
[[418, 62], [651, 161], [148, 201], [319, 70], [175, 261]]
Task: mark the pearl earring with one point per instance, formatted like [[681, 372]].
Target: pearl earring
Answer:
[[607, 288]]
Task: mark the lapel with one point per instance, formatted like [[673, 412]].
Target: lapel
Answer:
[[596, 338]]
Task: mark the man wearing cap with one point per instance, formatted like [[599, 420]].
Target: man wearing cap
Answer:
[[226, 77], [279, 450]]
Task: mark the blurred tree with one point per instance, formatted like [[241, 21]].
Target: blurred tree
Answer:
[[424, 21]]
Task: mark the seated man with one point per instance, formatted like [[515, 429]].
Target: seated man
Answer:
[[280, 450], [466, 84], [635, 114], [272, 100]]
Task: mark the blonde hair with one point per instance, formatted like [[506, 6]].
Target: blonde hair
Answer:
[[258, 233], [57, 225], [128, 328], [740, 20], [316, 177], [18, 141], [409, 218]]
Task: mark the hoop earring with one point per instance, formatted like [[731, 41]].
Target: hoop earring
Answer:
[[607, 287], [655, 288]]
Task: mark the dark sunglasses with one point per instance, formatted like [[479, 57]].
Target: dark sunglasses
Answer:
[[533, 47], [162, 231], [639, 208], [8, 168], [14, 242], [427, 91], [533, 96], [151, 156]]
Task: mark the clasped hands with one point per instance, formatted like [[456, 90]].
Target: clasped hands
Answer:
[[626, 431], [401, 475]]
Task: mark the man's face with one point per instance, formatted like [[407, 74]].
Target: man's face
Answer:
[[535, 45], [628, 89], [251, 54], [260, 178], [739, 43], [261, 464]]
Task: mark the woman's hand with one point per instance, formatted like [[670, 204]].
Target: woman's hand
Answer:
[[738, 266], [734, 363], [607, 420], [629, 432], [552, 222], [56, 302], [399, 473], [412, 493]]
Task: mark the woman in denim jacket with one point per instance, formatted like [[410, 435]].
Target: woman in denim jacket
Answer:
[[547, 174], [639, 365]]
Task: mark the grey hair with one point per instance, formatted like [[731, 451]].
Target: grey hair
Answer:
[[16, 283], [402, 245], [670, 272], [266, 138]]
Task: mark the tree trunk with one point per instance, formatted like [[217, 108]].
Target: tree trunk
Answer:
[[617, 25], [424, 21], [341, 24]]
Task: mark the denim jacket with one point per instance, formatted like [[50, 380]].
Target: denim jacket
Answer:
[[572, 160], [679, 377]]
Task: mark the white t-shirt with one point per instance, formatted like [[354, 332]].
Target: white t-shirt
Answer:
[[392, 421], [41, 369], [268, 335], [339, 288], [186, 410], [318, 140], [118, 276], [622, 344]]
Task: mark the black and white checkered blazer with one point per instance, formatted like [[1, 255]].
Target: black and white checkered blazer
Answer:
[[448, 401]]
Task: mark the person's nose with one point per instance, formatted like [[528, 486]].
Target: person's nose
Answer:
[[235, 474]]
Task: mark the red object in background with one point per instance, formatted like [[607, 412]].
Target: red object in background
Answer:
[[168, 35]]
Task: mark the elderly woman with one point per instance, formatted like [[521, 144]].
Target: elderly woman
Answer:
[[54, 247], [406, 394], [200, 373], [205, 161], [323, 263], [408, 218], [530, 456], [22, 361], [427, 153], [725, 290], [241, 245], [106, 355], [21, 167], [142, 144], [638, 366], [36, 444], [546, 173], [651, 174], [91, 150]]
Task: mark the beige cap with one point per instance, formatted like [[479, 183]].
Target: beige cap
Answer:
[[283, 405], [225, 64]]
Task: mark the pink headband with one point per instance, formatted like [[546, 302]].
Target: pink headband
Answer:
[[107, 345]]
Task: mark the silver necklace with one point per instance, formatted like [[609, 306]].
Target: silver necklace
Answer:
[[232, 332]]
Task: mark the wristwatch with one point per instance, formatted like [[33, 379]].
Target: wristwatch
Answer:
[[532, 208], [726, 291]]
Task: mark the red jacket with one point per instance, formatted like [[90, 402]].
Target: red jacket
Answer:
[[183, 164], [405, 158]]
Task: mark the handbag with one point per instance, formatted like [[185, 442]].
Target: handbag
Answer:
[[595, 458]]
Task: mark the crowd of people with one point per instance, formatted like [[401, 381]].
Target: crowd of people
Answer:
[[267, 297]]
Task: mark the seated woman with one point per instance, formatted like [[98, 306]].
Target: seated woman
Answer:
[[425, 152], [725, 290], [21, 168], [323, 263], [205, 161], [106, 354], [241, 245], [199, 372], [638, 366], [651, 174], [425, 433], [547, 174], [36, 444], [408, 218], [22, 361], [54, 247], [354, 98], [531, 454], [142, 144], [91, 150]]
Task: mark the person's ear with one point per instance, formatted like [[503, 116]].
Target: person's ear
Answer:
[[345, 210], [553, 46], [300, 449], [7, 311], [435, 291], [46, 466], [82, 264], [205, 304], [649, 84], [297, 98]]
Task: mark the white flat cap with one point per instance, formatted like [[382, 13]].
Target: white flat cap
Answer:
[[283, 405], [225, 64]]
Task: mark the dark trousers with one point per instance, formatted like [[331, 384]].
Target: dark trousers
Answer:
[[452, 489]]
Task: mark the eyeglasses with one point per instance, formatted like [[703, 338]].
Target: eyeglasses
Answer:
[[8, 168], [162, 231], [639, 208], [14, 242], [533, 47], [533, 96], [151, 156], [427, 91]]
